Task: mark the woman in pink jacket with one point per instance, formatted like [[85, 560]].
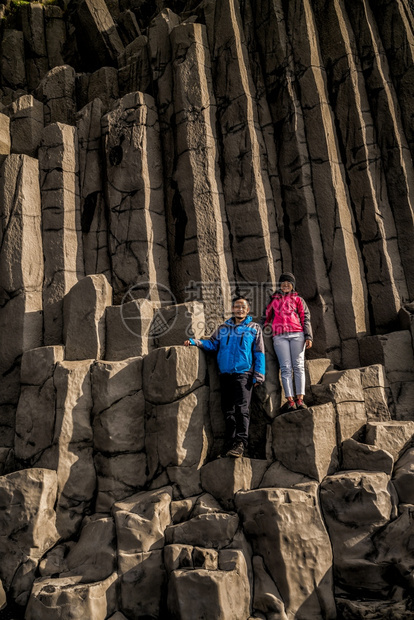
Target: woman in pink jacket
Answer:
[[289, 317]]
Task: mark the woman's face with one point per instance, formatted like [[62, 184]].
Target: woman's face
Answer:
[[286, 287]]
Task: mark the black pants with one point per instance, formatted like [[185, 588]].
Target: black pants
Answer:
[[236, 394]]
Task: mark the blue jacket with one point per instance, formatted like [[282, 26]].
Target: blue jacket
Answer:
[[240, 348]]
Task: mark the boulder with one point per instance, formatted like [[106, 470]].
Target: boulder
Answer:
[[228, 590], [28, 527], [392, 436], [394, 351], [174, 324], [142, 584], [183, 510], [344, 388], [364, 457], [403, 477], [356, 505], [59, 599], [128, 329], [278, 476], [179, 556], [84, 318], [267, 598], [173, 372], [356, 609], [377, 394], [176, 434], [215, 530], [113, 381], [285, 527], [53, 562], [305, 441], [141, 521], [93, 557], [339, 386], [314, 372], [394, 543], [224, 477]]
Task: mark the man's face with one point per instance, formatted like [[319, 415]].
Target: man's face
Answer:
[[240, 309], [286, 287]]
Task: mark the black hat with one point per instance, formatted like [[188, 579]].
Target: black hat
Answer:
[[287, 277]]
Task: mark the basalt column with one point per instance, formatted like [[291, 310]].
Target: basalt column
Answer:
[[62, 237], [135, 199], [340, 246], [92, 203], [386, 113], [205, 254], [295, 173], [21, 279], [247, 191], [385, 277]]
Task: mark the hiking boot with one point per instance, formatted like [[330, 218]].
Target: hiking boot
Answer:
[[300, 404], [290, 405], [236, 451]]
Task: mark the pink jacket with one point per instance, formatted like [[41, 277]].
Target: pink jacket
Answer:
[[288, 313]]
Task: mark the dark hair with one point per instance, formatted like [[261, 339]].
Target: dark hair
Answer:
[[240, 297]]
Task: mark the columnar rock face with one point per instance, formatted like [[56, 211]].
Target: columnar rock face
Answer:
[[26, 125], [204, 252], [153, 164], [21, 277], [92, 203], [61, 226], [28, 500], [137, 232]]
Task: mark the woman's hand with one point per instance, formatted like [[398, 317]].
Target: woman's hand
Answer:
[[308, 344], [187, 343]]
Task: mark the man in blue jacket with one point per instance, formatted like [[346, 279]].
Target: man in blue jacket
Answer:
[[239, 345]]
